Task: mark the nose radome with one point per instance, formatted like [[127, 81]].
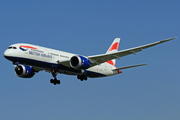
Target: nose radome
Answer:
[[7, 53]]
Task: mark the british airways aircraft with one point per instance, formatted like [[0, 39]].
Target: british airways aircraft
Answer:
[[30, 59]]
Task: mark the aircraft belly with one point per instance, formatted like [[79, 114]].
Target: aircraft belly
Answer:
[[94, 74], [45, 65]]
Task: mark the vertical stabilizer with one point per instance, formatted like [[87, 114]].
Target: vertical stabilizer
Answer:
[[113, 48]]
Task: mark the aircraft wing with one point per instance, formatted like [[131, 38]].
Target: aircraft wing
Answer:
[[98, 59]]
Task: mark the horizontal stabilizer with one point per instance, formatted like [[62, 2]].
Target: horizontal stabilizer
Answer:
[[129, 67]]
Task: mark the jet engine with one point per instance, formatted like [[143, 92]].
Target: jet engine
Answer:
[[24, 71], [80, 62]]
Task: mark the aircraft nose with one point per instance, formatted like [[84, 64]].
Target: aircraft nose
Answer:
[[7, 53]]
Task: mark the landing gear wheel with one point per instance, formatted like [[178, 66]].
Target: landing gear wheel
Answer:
[[51, 81], [54, 81], [85, 78], [82, 77], [78, 77], [58, 82]]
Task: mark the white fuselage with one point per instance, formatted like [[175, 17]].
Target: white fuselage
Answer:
[[42, 58]]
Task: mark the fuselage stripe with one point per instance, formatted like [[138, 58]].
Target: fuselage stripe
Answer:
[[27, 47]]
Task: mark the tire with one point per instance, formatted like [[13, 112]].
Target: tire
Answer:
[[51, 81], [58, 81], [78, 77]]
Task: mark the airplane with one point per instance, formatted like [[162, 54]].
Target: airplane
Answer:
[[29, 59]]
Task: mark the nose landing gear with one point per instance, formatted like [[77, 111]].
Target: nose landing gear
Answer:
[[54, 81]]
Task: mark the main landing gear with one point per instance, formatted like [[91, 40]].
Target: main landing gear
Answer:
[[54, 81], [82, 77]]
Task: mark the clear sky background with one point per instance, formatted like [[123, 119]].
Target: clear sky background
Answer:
[[150, 92]]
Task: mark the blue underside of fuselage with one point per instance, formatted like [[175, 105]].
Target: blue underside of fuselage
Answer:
[[52, 66]]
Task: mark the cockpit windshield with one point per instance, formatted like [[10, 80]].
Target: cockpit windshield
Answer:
[[11, 47]]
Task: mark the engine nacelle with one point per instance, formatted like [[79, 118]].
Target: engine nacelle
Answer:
[[24, 71], [80, 62]]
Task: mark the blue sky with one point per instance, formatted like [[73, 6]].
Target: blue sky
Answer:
[[88, 27]]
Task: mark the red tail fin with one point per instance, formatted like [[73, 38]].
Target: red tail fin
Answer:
[[113, 48]]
